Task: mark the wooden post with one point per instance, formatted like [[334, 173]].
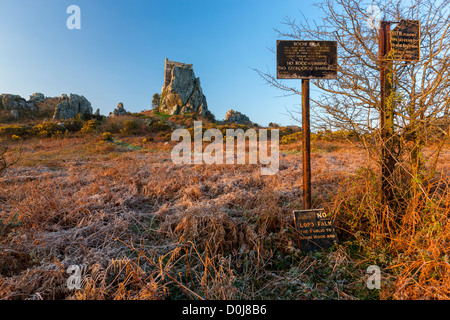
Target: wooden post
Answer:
[[306, 146], [386, 114]]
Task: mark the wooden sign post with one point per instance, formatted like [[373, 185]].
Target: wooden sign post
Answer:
[[306, 135], [401, 44], [386, 113], [307, 60]]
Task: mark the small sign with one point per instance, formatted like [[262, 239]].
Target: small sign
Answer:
[[306, 59], [405, 41], [315, 230]]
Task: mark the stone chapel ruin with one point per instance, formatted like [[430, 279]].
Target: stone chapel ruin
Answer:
[[182, 92]]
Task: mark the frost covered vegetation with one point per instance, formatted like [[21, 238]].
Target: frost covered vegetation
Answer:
[[105, 195]]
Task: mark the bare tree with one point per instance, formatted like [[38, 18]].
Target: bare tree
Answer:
[[5, 160], [420, 97]]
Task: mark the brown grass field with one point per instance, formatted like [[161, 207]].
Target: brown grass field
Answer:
[[144, 228]]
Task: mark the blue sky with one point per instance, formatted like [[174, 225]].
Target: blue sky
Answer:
[[118, 55]]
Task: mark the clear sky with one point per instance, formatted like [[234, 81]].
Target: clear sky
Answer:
[[118, 55]]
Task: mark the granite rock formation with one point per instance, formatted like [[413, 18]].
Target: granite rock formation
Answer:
[[182, 92], [37, 97], [70, 106], [119, 111], [16, 106], [15, 102], [236, 117], [64, 107]]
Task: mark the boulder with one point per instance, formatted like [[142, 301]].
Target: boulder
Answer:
[[70, 106], [236, 117], [119, 111], [182, 92], [37, 97], [14, 114]]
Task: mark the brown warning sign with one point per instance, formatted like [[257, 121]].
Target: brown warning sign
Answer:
[[306, 59], [405, 41], [315, 230]]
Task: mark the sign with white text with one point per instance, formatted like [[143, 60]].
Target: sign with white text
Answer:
[[315, 230], [405, 41], [306, 59]]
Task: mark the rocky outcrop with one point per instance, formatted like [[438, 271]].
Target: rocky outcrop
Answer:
[[64, 107], [182, 92], [37, 97], [15, 102], [236, 117], [70, 106], [119, 111]]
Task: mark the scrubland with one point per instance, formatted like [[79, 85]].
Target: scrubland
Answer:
[[142, 227]]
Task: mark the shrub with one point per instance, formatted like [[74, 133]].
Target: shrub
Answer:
[[15, 138], [183, 120], [291, 138], [130, 127], [113, 125], [6, 161], [89, 127], [127, 125], [107, 136], [334, 135], [156, 100], [160, 126], [147, 140], [47, 129], [13, 130], [285, 131], [73, 125]]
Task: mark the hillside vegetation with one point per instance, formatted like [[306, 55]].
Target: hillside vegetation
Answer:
[[104, 194]]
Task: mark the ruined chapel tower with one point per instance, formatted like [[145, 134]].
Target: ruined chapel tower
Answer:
[[182, 92]]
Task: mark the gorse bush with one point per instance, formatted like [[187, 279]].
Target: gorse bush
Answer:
[[334, 135], [89, 127], [107, 136], [327, 135], [13, 130], [15, 138], [47, 129], [291, 138]]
